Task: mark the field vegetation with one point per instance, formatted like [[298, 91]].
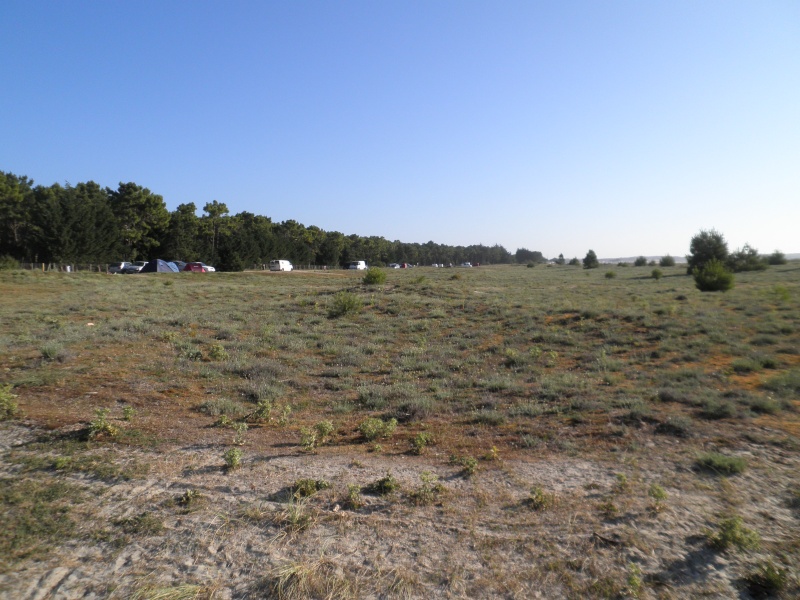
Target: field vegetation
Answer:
[[496, 432]]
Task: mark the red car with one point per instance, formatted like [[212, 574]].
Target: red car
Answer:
[[195, 267]]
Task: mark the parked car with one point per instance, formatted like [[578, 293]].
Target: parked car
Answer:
[[134, 267], [394, 266], [466, 264], [280, 265], [357, 264], [180, 264], [208, 268], [117, 267], [194, 267]]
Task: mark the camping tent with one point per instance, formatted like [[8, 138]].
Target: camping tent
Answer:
[[159, 266]]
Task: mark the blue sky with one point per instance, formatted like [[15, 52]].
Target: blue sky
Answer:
[[621, 126]]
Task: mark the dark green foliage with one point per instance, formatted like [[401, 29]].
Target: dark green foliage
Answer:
[[641, 261], [706, 246], [657, 274], [590, 260], [308, 487], [523, 255], [666, 261], [777, 258], [746, 259], [574, 262], [8, 263], [713, 277], [383, 486]]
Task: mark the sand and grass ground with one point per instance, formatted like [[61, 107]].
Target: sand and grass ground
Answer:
[[500, 432]]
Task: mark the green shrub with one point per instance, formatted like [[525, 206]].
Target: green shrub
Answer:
[[429, 490], [610, 274], [8, 263], [706, 246], [344, 303], [232, 458], [666, 261], [303, 488], [574, 262], [374, 276], [713, 277], [100, 426], [8, 407], [721, 464], [324, 430], [746, 259], [777, 258], [640, 261], [541, 500], [383, 486], [420, 442], [590, 260], [731, 533], [374, 428], [656, 274], [218, 352]]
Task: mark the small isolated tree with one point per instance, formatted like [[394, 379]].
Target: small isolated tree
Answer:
[[640, 261], [713, 277], [560, 260], [666, 261], [705, 246], [746, 259], [574, 261], [590, 260], [656, 274], [777, 258]]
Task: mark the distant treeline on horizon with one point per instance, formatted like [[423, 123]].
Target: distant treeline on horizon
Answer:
[[86, 223]]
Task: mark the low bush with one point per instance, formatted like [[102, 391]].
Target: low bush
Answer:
[[8, 406], [374, 276], [656, 274], [777, 258], [713, 277], [383, 486], [8, 263], [666, 261], [232, 458], [344, 303], [640, 261], [721, 464], [731, 533], [374, 428]]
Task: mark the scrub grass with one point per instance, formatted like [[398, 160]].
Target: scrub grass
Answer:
[[551, 379]]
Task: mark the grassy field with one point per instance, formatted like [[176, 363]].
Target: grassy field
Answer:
[[486, 432]]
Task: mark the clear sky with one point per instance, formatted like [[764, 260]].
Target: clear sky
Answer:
[[622, 126]]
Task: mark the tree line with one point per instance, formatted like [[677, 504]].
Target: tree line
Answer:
[[87, 223]]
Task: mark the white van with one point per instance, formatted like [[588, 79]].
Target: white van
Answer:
[[280, 265], [357, 264]]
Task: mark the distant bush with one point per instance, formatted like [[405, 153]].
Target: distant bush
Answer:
[[574, 262], [721, 464], [590, 260], [666, 261], [746, 259], [656, 274], [640, 261], [374, 276], [776, 258], [531, 265], [713, 277], [610, 274]]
